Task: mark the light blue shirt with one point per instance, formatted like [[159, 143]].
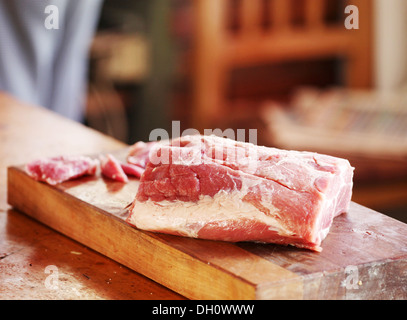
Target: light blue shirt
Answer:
[[43, 66]]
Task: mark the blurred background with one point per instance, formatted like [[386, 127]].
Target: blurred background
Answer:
[[292, 69]]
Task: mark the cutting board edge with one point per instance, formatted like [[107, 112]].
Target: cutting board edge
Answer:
[[208, 279], [214, 282]]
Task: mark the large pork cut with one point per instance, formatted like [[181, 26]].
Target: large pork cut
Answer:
[[215, 188]]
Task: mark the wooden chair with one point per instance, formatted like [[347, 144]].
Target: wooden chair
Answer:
[[218, 49]]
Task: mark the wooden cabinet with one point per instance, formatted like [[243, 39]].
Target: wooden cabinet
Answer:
[[233, 34]]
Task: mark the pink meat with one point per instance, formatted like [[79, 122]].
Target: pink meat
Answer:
[[138, 157], [59, 169], [138, 153], [214, 188], [132, 169], [112, 169]]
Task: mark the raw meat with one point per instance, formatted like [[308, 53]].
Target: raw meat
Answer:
[[59, 169], [138, 157], [132, 169], [215, 188], [138, 153], [112, 169]]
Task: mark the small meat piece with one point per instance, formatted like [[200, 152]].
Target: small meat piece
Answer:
[[138, 153], [112, 169], [59, 169], [132, 169], [219, 189]]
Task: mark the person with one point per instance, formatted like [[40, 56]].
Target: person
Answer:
[[44, 47]]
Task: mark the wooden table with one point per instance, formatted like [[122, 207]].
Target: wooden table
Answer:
[[31, 253], [29, 250]]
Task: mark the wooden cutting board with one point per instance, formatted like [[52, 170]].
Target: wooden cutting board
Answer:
[[364, 256]]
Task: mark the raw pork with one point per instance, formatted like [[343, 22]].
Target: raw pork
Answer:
[[138, 157], [59, 169], [215, 188], [132, 169], [112, 169], [138, 153]]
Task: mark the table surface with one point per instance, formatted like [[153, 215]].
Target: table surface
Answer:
[[32, 255]]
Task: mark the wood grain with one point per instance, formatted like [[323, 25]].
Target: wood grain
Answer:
[[27, 247], [91, 211], [199, 271], [373, 243]]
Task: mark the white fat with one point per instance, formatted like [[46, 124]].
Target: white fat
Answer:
[[189, 217], [323, 233]]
